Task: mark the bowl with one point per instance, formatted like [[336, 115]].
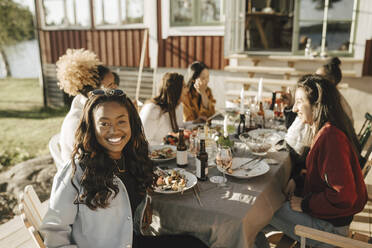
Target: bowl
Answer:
[[257, 146]]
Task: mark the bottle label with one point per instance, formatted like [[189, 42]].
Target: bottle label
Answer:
[[198, 168], [182, 157], [206, 170]]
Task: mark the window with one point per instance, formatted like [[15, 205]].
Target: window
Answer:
[[269, 25], [66, 13], [335, 20], [196, 12], [118, 12], [266, 26]]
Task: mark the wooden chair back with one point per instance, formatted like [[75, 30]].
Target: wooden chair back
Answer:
[[32, 213], [365, 131]]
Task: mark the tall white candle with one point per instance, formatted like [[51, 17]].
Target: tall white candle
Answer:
[[259, 93], [225, 134], [242, 101]]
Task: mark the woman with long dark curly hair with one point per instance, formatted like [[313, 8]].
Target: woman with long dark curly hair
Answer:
[[199, 103], [100, 198]]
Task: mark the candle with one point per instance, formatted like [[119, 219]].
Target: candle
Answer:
[[259, 93], [225, 134], [242, 101]]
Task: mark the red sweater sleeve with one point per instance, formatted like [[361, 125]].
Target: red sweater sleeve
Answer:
[[338, 193]]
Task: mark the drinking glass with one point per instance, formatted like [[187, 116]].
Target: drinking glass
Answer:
[[224, 161], [194, 144]]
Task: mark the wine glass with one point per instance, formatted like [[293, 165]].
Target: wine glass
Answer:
[[224, 160], [194, 144]]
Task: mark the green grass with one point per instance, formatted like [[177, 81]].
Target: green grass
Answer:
[[25, 125]]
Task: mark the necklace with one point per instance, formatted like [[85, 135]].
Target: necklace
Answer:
[[117, 165]]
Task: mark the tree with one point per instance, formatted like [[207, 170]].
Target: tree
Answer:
[[16, 24]]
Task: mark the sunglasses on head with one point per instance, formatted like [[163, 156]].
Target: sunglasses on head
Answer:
[[108, 92]]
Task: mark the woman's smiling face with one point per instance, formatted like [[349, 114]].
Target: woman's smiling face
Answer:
[[303, 107], [112, 127]]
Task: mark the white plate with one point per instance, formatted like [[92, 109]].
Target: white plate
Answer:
[[157, 147], [191, 182], [257, 169], [272, 136]]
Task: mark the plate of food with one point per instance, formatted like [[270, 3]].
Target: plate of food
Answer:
[[162, 153], [252, 167], [173, 181]]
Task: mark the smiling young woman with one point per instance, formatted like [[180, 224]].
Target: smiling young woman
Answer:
[[100, 198], [333, 189]]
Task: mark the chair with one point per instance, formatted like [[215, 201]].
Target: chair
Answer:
[[365, 131], [55, 151], [329, 238], [32, 213], [363, 136]]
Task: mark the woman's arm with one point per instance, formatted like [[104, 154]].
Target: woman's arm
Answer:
[[336, 172], [149, 117], [57, 223]]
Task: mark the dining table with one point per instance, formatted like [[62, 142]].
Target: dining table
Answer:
[[223, 217]]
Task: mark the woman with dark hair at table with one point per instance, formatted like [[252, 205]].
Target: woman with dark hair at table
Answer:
[[199, 103], [165, 110], [331, 71], [334, 189], [100, 198]]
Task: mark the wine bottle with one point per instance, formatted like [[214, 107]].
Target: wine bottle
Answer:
[[181, 150], [202, 162], [273, 99]]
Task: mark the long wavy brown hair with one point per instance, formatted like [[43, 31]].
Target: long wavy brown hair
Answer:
[[325, 101], [97, 181], [169, 96]]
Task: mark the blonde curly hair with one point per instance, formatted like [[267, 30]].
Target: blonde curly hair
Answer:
[[76, 70]]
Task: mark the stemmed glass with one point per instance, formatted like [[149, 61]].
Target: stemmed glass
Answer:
[[224, 160]]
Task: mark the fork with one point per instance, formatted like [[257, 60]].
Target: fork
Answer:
[[197, 197], [254, 164], [245, 163]]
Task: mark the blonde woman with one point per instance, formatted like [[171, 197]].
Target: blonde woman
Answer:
[[78, 72]]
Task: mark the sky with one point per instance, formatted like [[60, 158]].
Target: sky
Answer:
[[28, 3]]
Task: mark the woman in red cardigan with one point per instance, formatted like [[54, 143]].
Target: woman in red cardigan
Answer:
[[333, 187]]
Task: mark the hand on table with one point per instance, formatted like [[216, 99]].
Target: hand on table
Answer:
[[147, 216]]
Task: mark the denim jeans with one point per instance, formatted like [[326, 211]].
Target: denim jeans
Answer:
[[285, 220]]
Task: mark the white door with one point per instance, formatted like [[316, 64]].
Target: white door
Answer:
[[234, 27]]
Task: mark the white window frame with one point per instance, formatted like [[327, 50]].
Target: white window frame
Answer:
[[349, 52], [167, 30], [145, 24], [61, 27]]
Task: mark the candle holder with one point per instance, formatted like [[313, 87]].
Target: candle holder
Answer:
[[241, 126]]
